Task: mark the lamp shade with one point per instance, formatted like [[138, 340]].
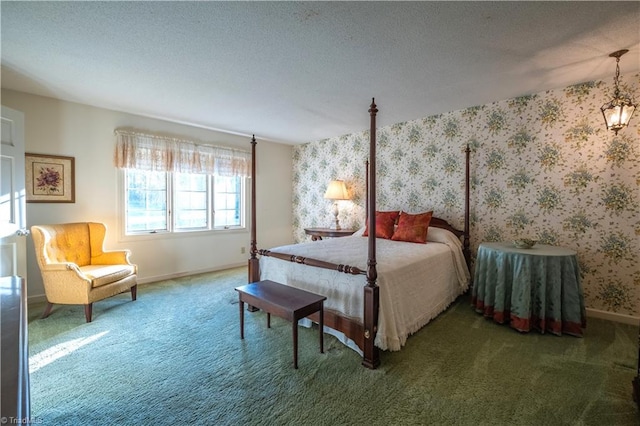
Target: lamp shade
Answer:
[[336, 191]]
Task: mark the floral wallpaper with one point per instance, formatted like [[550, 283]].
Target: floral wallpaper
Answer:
[[543, 166]]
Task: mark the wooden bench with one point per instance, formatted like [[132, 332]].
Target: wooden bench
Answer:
[[283, 301]]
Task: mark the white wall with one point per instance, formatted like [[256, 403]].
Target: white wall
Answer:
[[57, 127]]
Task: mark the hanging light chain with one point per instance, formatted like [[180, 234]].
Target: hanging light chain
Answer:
[[616, 79]]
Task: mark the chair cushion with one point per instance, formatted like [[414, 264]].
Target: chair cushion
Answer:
[[106, 274]]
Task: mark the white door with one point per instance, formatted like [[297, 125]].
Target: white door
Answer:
[[13, 223]]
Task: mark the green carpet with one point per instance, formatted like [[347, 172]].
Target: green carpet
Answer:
[[175, 357]]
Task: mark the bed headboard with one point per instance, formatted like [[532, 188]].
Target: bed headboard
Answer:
[[441, 223], [436, 221]]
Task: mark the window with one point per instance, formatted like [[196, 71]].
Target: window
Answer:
[[191, 206], [146, 200], [179, 202], [177, 185], [227, 201]]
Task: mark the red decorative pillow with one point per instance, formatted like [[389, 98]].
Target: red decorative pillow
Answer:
[[385, 222], [413, 227]]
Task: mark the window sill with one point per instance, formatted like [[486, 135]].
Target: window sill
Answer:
[[181, 234]]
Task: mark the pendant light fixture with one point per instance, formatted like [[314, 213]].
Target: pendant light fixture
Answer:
[[617, 112]]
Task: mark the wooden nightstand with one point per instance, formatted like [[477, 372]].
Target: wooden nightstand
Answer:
[[318, 233]]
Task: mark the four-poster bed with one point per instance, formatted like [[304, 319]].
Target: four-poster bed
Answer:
[[357, 316]]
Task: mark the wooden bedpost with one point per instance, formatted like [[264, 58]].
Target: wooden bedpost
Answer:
[[636, 380], [371, 354], [466, 245], [366, 192], [254, 264]]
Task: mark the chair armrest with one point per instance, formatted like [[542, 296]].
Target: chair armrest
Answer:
[[65, 269], [63, 266], [112, 257], [65, 283]]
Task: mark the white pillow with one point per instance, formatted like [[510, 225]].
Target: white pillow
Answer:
[[359, 232], [439, 235]]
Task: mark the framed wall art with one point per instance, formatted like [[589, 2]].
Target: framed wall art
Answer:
[[50, 179]]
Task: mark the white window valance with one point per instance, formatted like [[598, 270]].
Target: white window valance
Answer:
[[143, 151]]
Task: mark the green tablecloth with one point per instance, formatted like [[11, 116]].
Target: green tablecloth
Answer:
[[530, 288]]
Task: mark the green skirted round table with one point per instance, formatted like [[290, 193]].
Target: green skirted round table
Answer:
[[536, 288]]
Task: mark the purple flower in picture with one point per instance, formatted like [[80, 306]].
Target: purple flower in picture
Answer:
[[49, 180]]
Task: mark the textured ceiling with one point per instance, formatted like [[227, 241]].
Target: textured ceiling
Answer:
[[295, 72]]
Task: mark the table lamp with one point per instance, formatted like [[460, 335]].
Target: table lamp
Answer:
[[336, 191]]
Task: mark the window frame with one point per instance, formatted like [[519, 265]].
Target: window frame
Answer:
[[172, 230]]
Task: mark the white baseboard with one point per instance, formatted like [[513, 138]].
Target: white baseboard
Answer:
[[612, 316], [36, 299], [149, 280]]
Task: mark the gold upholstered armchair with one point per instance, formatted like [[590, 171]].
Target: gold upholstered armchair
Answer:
[[75, 268]]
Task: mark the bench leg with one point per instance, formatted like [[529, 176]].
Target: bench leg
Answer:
[[268, 320], [295, 343], [241, 319]]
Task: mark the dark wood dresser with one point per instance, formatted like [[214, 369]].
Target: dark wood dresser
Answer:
[[15, 351]]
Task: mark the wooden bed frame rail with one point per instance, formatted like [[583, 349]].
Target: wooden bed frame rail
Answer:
[[363, 334], [313, 262]]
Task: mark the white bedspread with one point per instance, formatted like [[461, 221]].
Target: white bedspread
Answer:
[[417, 281]]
